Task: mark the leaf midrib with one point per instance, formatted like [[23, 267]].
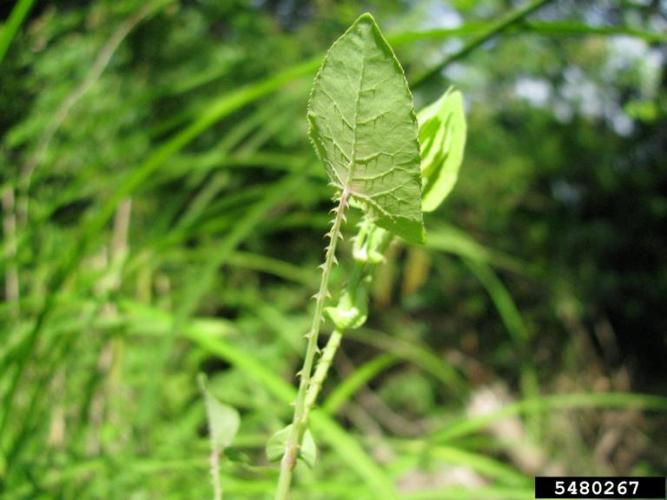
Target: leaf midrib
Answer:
[[353, 153]]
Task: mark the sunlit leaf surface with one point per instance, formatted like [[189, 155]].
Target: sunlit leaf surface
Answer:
[[364, 129]]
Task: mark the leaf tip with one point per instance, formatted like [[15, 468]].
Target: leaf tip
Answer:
[[366, 17]]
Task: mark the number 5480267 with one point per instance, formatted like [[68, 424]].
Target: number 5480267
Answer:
[[585, 487]]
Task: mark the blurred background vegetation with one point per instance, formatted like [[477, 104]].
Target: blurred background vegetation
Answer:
[[163, 215]]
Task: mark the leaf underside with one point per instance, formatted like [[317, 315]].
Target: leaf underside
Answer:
[[363, 127]]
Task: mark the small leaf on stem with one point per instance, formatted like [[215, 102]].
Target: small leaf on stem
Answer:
[[351, 311], [275, 447], [223, 420]]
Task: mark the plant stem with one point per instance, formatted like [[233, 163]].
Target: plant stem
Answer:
[[322, 369], [360, 270], [505, 22], [215, 474], [300, 419]]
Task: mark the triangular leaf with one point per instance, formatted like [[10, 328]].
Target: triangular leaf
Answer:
[[363, 127], [308, 452], [223, 420], [275, 447], [442, 137]]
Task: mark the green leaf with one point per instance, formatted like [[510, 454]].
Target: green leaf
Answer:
[[351, 311], [363, 127], [275, 447], [370, 243], [223, 420], [442, 136]]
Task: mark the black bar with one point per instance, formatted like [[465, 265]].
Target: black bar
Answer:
[[600, 487]]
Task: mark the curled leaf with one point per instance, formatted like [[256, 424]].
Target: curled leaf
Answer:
[[370, 243], [442, 136], [351, 311]]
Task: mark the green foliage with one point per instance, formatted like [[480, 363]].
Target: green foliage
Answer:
[[370, 159], [351, 311], [442, 136], [370, 243], [223, 420], [363, 127], [442, 132], [162, 212], [9, 27]]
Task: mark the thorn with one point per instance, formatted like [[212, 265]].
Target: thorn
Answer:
[[321, 266], [334, 259], [316, 296], [340, 236]]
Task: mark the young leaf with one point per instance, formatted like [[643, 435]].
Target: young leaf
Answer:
[[370, 243], [275, 447], [223, 420], [351, 311], [442, 136], [363, 127]]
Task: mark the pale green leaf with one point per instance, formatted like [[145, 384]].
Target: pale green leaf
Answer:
[[363, 127], [442, 136], [370, 243], [223, 420], [351, 311], [275, 447]]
